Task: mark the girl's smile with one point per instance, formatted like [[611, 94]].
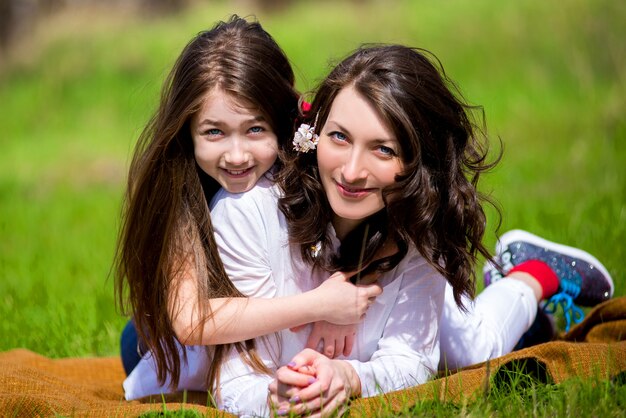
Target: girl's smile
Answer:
[[236, 174]]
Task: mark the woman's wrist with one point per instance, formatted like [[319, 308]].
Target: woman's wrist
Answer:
[[353, 379]]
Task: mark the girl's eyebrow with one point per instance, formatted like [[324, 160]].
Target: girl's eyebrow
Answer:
[[207, 121]]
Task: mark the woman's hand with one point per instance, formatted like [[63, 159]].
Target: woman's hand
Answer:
[[332, 340], [313, 384]]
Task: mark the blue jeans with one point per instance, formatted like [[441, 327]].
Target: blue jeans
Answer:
[[131, 348]]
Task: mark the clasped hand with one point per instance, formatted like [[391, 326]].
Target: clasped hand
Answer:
[[313, 384]]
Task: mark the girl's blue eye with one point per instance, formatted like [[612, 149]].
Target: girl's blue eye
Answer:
[[213, 132], [256, 129]]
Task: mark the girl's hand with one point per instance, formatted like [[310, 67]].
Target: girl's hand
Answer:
[[295, 391], [344, 303], [337, 339]]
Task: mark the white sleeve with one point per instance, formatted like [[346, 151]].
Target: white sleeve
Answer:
[[242, 391], [241, 234], [408, 352]]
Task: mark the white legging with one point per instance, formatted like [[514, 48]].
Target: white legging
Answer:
[[493, 324]]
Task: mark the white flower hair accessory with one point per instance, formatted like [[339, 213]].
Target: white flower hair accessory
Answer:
[[305, 138], [316, 249]]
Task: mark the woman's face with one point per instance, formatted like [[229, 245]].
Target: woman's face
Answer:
[[233, 143], [357, 156]]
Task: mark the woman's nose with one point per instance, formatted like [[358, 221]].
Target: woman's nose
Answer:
[[354, 168]]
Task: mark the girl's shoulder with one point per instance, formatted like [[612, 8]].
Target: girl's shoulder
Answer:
[[265, 191]]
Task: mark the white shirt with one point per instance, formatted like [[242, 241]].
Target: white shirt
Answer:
[[396, 346]]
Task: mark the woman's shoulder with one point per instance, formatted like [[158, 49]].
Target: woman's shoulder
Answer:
[[414, 261]]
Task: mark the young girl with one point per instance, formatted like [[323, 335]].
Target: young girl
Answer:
[[226, 109]]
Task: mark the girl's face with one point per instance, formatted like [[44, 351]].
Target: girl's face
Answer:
[[357, 156], [232, 143]]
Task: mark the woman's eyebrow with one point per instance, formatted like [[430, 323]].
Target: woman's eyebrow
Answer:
[[347, 132], [338, 126]]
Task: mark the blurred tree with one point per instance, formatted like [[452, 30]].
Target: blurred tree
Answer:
[[265, 5], [18, 17], [163, 6]]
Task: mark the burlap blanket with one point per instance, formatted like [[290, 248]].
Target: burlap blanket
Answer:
[[33, 385]]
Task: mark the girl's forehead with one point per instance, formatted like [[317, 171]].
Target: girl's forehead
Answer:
[[233, 101]]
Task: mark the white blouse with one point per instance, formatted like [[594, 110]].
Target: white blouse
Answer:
[[396, 346]]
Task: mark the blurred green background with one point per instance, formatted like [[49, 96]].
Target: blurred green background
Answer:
[[77, 88]]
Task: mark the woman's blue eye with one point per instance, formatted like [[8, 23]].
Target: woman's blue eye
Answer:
[[256, 129], [338, 136], [387, 151]]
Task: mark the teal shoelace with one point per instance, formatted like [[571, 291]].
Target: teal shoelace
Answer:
[[565, 299]]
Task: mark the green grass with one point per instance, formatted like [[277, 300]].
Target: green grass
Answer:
[[550, 76]]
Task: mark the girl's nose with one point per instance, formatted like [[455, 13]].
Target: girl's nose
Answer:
[[237, 154]]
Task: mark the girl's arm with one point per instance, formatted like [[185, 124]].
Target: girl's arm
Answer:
[[238, 319]]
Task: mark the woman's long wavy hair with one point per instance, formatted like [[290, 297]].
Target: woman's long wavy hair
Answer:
[[434, 203], [166, 220]]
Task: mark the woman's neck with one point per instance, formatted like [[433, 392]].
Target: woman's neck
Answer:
[[344, 226]]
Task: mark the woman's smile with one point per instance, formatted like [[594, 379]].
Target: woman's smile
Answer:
[[353, 192]]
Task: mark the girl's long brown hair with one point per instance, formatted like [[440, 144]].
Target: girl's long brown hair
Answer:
[[166, 220], [434, 204]]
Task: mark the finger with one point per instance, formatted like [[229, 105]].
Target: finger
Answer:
[[298, 328], [339, 347], [274, 399], [308, 370], [299, 407], [286, 392], [292, 377], [273, 386], [304, 357], [320, 387], [329, 348], [322, 407], [349, 343], [314, 340], [372, 290], [336, 407]]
